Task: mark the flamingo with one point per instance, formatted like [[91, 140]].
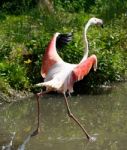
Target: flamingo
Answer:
[[60, 76]]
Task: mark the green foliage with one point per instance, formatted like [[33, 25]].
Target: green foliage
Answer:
[[17, 7], [110, 9], [14, 75], [5, 50], [111, 54], [74, 5], [4, 85], [109, 46], [23, 40]]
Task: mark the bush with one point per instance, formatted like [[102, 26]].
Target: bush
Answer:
[[74, 5], [110, 9], [25, 37], [14, 74], [17, 7]]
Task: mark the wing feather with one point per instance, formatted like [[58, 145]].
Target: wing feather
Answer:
[[51, 56], [83, 68]]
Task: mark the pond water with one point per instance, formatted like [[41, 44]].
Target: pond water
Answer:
[[103, 115]]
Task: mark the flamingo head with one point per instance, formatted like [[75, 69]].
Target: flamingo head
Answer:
[[96, 21]]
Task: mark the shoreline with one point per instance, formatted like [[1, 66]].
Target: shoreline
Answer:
[[14, 95]]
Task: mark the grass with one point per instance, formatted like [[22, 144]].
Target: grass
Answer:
[[23, 39]]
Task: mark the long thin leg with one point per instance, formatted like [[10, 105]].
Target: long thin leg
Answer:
[[76, 120], [38, 112]]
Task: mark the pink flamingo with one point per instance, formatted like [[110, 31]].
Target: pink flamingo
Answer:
[[60, 76]]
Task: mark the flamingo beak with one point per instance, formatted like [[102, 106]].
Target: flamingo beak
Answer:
[[101, 23]]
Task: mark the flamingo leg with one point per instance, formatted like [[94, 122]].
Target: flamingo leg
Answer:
[[35, 132], [75, 119]]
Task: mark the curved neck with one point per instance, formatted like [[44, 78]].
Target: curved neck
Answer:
[[86, 50]]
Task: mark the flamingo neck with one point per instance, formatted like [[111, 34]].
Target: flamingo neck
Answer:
[[86, 50]]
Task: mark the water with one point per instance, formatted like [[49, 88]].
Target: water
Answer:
[[104, 116]]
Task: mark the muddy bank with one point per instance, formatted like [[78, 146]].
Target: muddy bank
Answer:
[[13, 96], [79, 89]]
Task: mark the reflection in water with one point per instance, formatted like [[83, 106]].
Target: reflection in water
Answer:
[[22, 146], [27, 139], [104, 116], [8, 146]]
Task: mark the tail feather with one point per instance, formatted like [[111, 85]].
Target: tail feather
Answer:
[[52, 84]]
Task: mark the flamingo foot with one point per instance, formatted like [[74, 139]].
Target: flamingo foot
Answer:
[[92, 139]]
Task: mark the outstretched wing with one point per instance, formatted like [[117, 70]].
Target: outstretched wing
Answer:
[[83, 68], [51, 56], [63, 39]]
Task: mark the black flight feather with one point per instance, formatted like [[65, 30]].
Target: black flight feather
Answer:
[[63, 39]]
